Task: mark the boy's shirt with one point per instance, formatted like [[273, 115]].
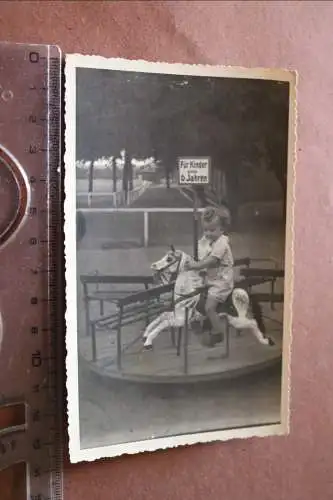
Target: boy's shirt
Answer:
[[223, 273]]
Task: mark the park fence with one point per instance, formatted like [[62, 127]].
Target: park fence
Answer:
[[142, 227], [116, 199]]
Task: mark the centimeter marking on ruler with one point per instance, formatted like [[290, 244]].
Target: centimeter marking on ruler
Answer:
[[40, 445], [49, 274], [55, 263]]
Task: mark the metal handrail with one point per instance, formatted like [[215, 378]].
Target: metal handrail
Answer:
[[186, 341], [156, 292]]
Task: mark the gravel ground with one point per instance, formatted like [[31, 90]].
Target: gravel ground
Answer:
[[119, 412]]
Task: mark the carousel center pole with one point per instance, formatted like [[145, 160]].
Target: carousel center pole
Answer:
[[195, 223]]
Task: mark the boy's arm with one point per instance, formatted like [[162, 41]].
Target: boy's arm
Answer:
[[214, 258], [219, 248], [206, 263]]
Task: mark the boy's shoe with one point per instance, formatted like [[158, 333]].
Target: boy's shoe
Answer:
[[196, 328], [211, 339], [217, 337]]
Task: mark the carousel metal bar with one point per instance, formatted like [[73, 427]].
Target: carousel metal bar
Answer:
[[143, 279], [173, 330], [147, 306], [173, 336], [227, 340], [93, 343], [119, 349], [86, 301], [139, 312], [266, 259], [143, 296], [179, 340], [195, 223], [186, 342], [245, 261], [272, 294], [257, 272], [248, 283], [109, 278], [266, 297]]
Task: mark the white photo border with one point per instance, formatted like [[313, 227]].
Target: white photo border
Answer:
[[73, 62]]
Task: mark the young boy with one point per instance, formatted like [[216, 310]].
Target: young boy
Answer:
[[216, 258]]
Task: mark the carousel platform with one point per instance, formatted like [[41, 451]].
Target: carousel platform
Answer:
[[187, 362]]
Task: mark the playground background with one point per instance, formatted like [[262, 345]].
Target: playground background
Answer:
[[114, 244], [133, 215]]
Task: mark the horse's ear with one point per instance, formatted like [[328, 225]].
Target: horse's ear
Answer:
[[172, 248]]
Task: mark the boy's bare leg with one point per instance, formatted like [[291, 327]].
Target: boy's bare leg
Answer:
[[218, 323]]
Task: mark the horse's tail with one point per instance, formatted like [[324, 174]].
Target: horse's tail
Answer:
[[257, 313]]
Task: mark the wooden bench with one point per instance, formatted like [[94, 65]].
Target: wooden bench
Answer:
[[134, 305], [110, 295], [258, 276], [152, 302], [142, 305], [129, 307]]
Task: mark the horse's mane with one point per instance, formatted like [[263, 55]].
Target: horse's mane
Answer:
[[186, 281]]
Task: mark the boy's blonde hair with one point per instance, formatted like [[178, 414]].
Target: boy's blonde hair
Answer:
[[220, 213]]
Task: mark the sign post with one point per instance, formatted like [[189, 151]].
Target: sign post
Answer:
[[194, 172]]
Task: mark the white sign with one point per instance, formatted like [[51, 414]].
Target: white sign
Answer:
[[194, 170]]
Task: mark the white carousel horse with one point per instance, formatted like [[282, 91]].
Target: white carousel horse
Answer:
[[188, 287], [186, 293]]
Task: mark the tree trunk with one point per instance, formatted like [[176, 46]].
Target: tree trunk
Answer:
[[91, 177], [279, 169], [125, 180], [233, 194], [167, 176], [130, 171], [114, 174], [224, 191], [200, 195]]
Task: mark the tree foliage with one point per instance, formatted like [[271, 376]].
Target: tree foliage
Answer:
[[234, 121]]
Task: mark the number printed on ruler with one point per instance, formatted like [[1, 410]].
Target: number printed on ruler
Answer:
[[30, 140]]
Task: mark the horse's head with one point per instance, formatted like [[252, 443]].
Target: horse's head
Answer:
[[168, 267]]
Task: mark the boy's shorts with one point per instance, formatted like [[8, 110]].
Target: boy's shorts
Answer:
[[226, 306], [220, 294]]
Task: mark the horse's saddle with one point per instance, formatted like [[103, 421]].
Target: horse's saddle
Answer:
[[226, 307]]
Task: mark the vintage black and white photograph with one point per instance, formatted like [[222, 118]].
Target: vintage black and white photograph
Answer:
[[178, 241]]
